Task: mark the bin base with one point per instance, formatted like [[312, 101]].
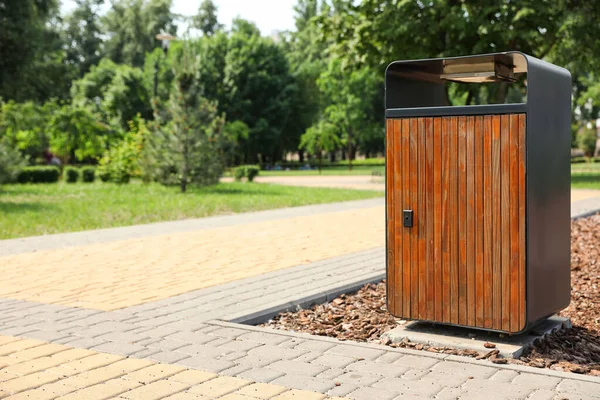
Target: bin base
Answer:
[[473, 339]]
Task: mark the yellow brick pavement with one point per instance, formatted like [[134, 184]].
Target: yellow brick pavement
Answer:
[[121, 274], [89, 375]]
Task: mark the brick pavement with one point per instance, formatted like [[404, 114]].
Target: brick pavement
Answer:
[[188, 332]]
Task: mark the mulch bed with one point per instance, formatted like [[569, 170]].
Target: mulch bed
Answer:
[[363, 316]]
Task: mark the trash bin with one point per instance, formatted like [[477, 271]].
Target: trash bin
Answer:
[[478, 192]]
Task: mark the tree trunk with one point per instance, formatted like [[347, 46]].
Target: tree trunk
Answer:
[[332, 156], [301, 155], [320, 161]]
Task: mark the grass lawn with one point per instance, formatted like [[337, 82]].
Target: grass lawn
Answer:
[[28, 210], [325, 171], [585, 176]]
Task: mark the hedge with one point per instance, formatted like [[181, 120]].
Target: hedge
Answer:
[[71, 174], [88, 174], [39, 175], [248, 171]]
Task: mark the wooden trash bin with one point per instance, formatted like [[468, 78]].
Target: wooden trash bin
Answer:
[[478, 196]]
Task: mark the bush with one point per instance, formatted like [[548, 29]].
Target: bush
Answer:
[[39, 175], [586, 141], [252, 172], [71, 174], [239, 173], [246, 171], [88, 174], [11, 162]]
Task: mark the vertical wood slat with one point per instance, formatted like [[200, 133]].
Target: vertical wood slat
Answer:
[[496, 226], [419, 280], [398, 200], [429, 216], [463, 260], [522, 244], [488, 250], [406, 204], [462, 220], [389, 201], [414, 205], [479, 226], [505, 215], [470, 235], [437, 219], [445, 224]]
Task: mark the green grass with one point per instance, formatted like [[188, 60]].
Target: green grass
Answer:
[[28, 210], [329, 171], [585, 176]]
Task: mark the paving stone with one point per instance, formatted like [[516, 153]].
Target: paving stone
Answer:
[[578, 387], [159, 332], [370, 393], [144, 353], [450, 393], [86, 343], [239, 345], [205, 363], [295, 367], [298, 394], [229, 333], [333, 360], [265, 375], [292, 343], [203, 350], [167, 357], [408, 387], [265, 338], [258, 360], [121, 337], [373, 367], [453, 367], [416, 362], [574, 396], [343, 389], [355, 351], [486, 387], [309, 356], [542, 394], [388, 357], [219, 386], [233, 356], [155, 390], [126, 349], [261, 390], [275, 352], [235, 371], [359, 378], [47, 336], [504, 375], [449, 380], [190, 337], [331, 373], [168, 344], [414, 374], [304, 382], [14, 331], [537, 381]]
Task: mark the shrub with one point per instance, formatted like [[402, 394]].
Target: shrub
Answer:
[[252, 172], [11, 162], [39, 175], [88, 174], [71, 174], [239, 173], [586, 141]]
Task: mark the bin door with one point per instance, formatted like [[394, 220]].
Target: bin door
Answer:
[[461, 182]]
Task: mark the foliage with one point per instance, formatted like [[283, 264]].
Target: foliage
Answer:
[[246, 171], [319, 138], [206, 19], [185, 146], [132, 26], [88, 174], [239, 173], [39, 175], [71, 174], [126, 158], [11, 162], [586, 141], [117, 92], [76, 134]]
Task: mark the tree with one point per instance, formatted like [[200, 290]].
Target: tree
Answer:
[[350, 98], [587, 139], [206, 20], [132, 26], [187, 133], [83, 36], [11, 161], [117, 92], [319, 138]]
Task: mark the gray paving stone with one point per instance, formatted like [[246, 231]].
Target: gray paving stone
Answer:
[[450, 393], [121, 337], [239, 345], [85, 343], [147, 341], [331, 373], [276, 352], [355, 351], [449, 379], [168, 344], [232, 356], [258, 360], [414, 374], [542, 394], [266, 338], [453, 367], [504, 375], [372, 367], [235, 371], [333, 360], [264, 375], [359, 378], [192, 337], [229, 333], [124, 349], [388, 357], [342, 390], [205, 363], [309, 356], [291, 344], [304, 382], [203, 350], [579, 387], [184, 325], [416, 362], [159, 332], [370, 393], [536, 381], [295, 367], [409, 387], [145, 353], [574, 396], [47, 336], [14, 331], [167, 357], [482, 387]]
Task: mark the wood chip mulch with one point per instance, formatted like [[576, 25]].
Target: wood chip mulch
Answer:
[[363, 316]]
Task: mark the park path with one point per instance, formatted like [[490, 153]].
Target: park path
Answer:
[[358, 182], [151, 312]]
